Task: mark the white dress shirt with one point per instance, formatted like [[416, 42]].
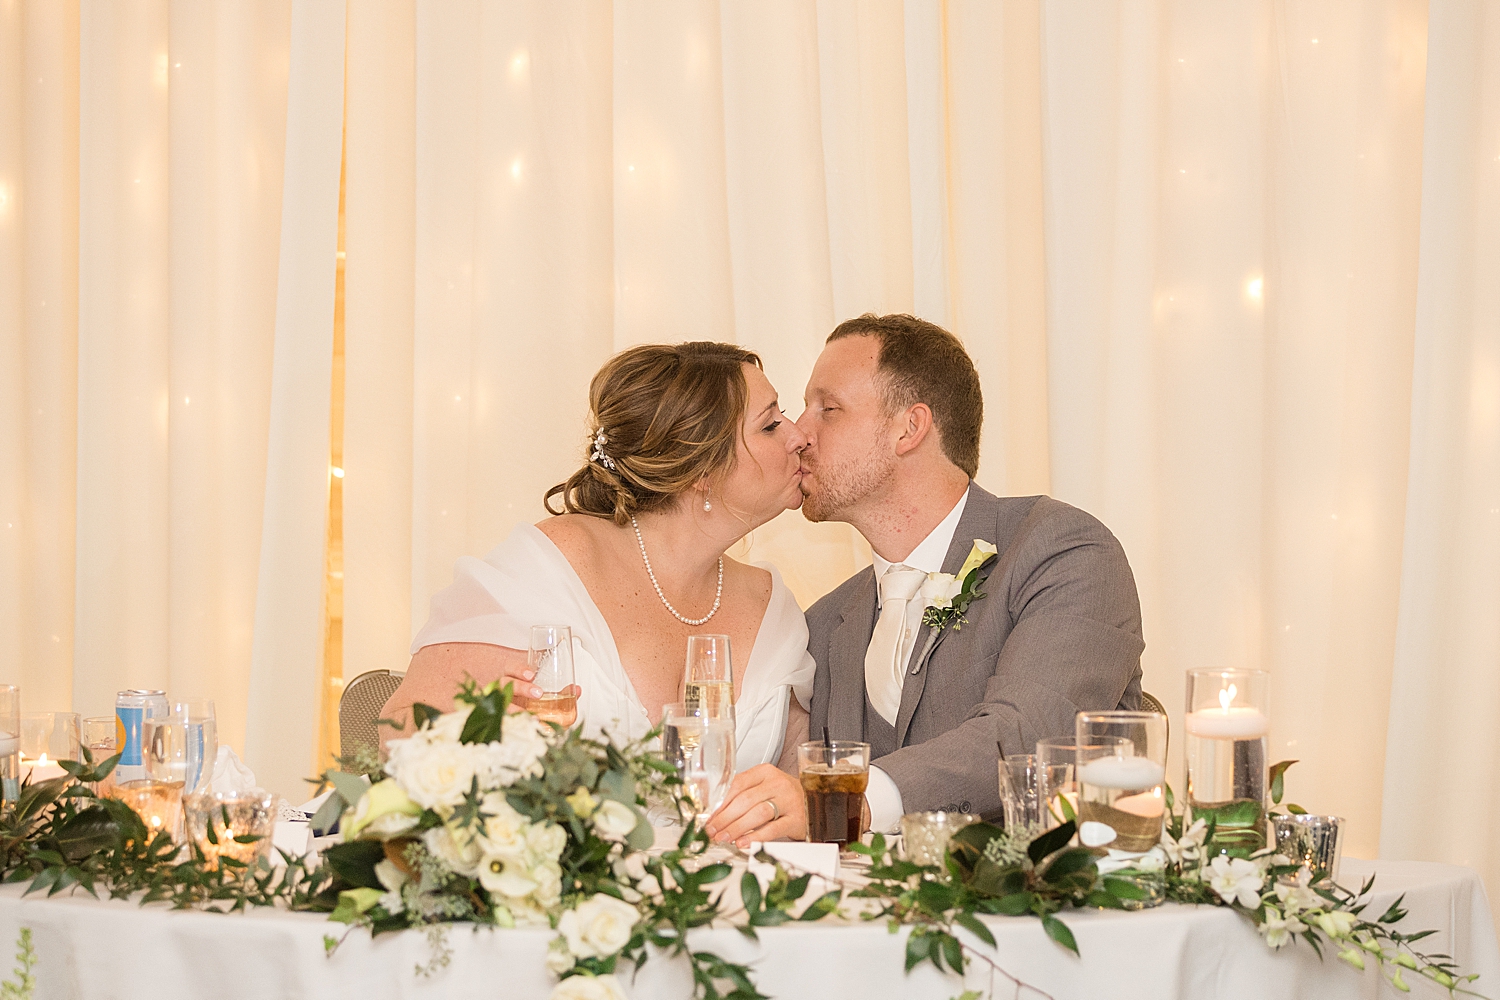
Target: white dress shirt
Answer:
[[882, 794]]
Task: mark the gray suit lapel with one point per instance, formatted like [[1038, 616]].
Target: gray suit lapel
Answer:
[[977, 521], [846, 663]]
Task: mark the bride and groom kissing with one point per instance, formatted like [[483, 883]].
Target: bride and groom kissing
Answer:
[[690, 451]]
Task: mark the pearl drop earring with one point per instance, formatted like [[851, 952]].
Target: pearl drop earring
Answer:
[[707, 506]]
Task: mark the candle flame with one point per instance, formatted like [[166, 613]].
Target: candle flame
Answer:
[[1226, 696]]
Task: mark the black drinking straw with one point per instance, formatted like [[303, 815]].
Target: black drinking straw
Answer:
[[826, 741]]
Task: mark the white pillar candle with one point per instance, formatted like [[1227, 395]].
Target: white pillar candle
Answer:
[[1228, 723], [1129, 773]]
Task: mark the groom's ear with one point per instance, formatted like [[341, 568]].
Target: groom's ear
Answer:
[[913, 425]]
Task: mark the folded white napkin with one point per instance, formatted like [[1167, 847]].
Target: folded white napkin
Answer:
[[230, 773]]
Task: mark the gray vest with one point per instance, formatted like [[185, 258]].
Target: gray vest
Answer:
[[881, 735]]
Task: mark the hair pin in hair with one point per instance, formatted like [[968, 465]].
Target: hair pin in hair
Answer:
[[598, 455]]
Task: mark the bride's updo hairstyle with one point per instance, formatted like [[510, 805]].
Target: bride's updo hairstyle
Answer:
[[664, 416]]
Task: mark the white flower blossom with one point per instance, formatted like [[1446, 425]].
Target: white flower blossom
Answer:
[[436, 774], [559, 959], [1297, 897], [1278, 930], [1337, 924], [599, 927], [506, 876], [1188, 848], [939, 590], [392, 879], [548, 879], [614, 820], [1236, 881], [589, 988], [546, 840]]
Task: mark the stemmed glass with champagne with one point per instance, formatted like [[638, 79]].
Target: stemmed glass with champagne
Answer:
[[551, 657], [698, 732]]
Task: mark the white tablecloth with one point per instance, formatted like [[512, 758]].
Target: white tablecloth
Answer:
[[105, 949]]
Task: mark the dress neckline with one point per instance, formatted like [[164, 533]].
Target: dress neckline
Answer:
[[601, 626]]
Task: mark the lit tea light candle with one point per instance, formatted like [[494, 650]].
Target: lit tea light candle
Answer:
[[1228, 722], [1148, 804], [40, 769]]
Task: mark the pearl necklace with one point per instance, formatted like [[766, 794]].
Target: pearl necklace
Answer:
[[718, 593]]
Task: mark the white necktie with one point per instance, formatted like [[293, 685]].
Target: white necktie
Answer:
[[884, 668]]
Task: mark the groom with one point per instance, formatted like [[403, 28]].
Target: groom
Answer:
[[893, 419]]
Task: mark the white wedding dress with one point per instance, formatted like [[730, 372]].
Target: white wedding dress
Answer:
[[527, 581]]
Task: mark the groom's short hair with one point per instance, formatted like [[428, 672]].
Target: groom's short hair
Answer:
[[923, 363]]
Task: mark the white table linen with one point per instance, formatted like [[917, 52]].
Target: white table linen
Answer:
[[107, 949]]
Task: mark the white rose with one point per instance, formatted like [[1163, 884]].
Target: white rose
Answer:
[[548, 879], [599, 927], [436, 775], [559, 959], [546, 840], [614, 820], [589, 988], [504, 831], [939, 590], [518, 754], [455, 848]]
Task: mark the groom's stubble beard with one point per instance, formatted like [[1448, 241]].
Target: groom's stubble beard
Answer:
[[843, 484]]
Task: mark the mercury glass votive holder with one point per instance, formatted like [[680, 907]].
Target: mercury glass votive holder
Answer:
[[158, 803], [925, 835], [1315, 842], [214, 819], [1227, 724]]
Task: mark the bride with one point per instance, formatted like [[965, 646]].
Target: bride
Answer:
[[690, 452]]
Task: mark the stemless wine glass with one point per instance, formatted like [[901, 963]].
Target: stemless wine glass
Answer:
[[551, 657], [702, 749], [1057, 761], [708, 680]]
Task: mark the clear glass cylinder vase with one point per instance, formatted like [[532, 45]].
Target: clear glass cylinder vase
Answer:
[[1226, 726]]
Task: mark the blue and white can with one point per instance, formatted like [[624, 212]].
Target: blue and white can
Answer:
[[131, 709]]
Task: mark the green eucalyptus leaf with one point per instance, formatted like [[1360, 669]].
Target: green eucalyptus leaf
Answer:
[[1276, 774], [86, 832], [750, 893], [421, 715], [975, 926], [918, 948]]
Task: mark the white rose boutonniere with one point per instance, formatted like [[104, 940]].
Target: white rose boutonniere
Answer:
[[946, 596]]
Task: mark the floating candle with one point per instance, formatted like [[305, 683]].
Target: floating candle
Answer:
[[1227, 722], [1133, 773], [41, 769]]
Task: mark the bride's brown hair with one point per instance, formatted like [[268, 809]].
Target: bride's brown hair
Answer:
[[664, 416]]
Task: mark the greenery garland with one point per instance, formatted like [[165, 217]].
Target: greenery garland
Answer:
[[474, 819]]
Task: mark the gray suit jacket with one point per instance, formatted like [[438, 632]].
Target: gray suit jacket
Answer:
[[1058, 631]]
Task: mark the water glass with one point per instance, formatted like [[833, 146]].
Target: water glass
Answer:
[[1021, 795], [551, 657], [708, 679], [10, 742], [228, 815], [702, 749], [202, 739], [99, 739], [1057, 759]]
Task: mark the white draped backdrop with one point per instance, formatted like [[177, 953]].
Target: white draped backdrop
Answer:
[[1230, 270]]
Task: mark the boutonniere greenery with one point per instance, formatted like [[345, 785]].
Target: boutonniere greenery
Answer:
[[947, 596]]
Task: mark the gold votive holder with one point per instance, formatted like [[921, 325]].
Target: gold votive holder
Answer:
[[158, 803], [925, 835], [215, 819]]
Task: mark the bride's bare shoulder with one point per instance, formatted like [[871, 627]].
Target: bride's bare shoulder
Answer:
[[751, 580], [579, 537]]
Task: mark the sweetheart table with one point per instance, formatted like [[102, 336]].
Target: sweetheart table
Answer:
[[105, 949]]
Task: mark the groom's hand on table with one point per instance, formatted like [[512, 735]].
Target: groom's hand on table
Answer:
[[747, 813]]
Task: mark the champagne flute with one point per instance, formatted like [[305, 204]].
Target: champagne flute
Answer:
[[708, 680], [99, 737], [551, 657]]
